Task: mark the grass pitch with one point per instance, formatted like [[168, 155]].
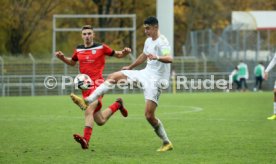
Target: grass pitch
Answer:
[[203, 127]]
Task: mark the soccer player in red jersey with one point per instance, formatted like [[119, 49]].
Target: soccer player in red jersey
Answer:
[[91, 58]]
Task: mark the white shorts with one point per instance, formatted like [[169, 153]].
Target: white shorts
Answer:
[[146, 82], [275, 85]]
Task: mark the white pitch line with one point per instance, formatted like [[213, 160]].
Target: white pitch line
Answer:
[[179, 110]]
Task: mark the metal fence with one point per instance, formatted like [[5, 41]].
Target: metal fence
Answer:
[[28, 77], [231, 44], [24, 85], [228, 47]]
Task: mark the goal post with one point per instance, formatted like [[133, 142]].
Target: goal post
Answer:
[[107, 29]]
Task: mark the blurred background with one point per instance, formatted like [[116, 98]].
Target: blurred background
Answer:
[[206, 42]]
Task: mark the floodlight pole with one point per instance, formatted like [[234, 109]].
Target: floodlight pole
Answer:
[[166, 20]]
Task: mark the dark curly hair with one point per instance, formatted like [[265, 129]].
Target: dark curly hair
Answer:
[[151, 21]]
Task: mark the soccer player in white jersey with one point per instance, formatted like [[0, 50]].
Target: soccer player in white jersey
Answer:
[[268, 68], [157, 54]]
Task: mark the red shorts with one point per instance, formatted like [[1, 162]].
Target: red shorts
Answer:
[[86, 93]]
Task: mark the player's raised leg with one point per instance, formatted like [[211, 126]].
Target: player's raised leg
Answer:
[[101, 90], [112, 79]]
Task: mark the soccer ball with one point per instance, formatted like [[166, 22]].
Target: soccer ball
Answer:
[[83, 81]]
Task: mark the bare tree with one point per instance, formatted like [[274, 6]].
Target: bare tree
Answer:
[[24, 18]]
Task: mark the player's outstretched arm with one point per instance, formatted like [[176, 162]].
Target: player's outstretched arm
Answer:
[[123, 53], [66, 60], [141, 59]]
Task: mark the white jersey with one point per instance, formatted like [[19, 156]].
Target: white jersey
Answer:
[[159, 47]]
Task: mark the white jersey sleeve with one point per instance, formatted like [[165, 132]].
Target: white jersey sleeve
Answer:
[[164, 46]]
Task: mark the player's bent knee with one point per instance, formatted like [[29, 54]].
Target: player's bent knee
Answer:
[[100, 123], [88, 112], [112, 76], [115, 77], [149, 117]]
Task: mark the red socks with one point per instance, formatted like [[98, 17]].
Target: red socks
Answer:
[[114, 107], [87, 132]]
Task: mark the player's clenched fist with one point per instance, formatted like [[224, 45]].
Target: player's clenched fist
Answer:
[[126, 50], [59, 54]]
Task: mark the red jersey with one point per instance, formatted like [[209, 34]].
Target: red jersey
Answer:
[[91, 62]]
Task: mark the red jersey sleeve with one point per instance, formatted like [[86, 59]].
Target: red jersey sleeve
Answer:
[[107, 50], [75, 56]]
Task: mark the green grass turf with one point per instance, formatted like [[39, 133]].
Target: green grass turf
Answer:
[[204, 128]]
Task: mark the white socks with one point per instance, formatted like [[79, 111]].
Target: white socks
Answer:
[[101, 90], [160, 131]]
